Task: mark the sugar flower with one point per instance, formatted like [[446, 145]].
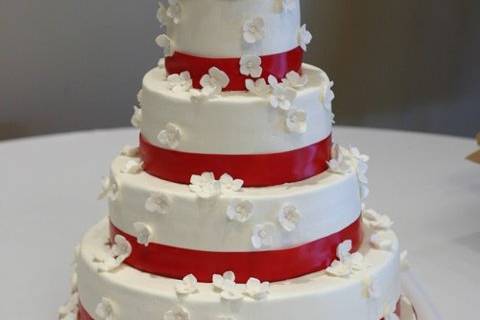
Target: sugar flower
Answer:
[[205, 185], [254, 30], [213, 82], [170, 136], [256, 289], [137, 117], [143, 233], [163, 41], [262, 236], [158, 203], [188, 285], [230, 185], [259, 87], [304, 37], [296, 121], [289, 217], [250, 65], [240, 210]]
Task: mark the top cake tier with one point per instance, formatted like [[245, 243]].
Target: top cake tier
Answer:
[[246, 39], [232, 28]]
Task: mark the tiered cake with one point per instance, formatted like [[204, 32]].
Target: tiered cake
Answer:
[[236, 204]]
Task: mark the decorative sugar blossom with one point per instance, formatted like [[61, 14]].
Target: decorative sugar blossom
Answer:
[[296, 121], [250, 65], [256, 289], [129, 151], [230, 185], [162, 16], [177, 313], [109, 187], [339, 163], [197, 96], [69, 310], [295, 80], [282, 96], [262, 236], [119, 251], [104, 309], [326, 93], [137, 117], [163, 41], [371, 288], [140, 97], [158, 203], [240, 210], [213, 82], [304, 37], [188, 285], [219, 281], [143, 233], [259, 87], [205, 185], [381, 241], [133, 166], [253, 30], [389, 312], [286, 5], [377, 221], [347, 262], [289, 217], [179, 82], [170, 136], [174, 11]]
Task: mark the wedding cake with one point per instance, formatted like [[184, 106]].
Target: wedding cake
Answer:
[[236, 204]]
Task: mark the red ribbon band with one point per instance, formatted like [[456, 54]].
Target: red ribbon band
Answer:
[[273, 265], [256, 170], [83, 314], [277, 65]]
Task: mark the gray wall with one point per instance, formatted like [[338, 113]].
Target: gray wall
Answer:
[[70, 65]]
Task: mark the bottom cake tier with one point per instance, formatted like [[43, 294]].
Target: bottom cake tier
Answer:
[[370, 292]]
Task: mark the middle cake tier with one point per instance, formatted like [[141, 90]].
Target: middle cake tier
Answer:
[[273, 232]]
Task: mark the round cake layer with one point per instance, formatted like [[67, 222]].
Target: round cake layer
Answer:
[[214, 28], [233, 122], [177, 216], [130, 294]]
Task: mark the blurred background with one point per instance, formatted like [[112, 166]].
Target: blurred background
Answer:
[[73, 65]]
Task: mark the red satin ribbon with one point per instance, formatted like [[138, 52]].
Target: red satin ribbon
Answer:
[[256, 170], [277, 65], [273, 265], [83, 314]]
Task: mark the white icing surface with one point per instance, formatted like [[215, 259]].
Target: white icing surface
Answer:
[[233, 122], [327, 203], [214, 28], [139, 295]]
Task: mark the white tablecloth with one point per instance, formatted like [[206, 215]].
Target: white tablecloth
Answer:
[[49, 185]]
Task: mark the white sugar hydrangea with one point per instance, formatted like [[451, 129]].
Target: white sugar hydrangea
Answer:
[[263, 235], [230, 185], [282, 96], [346, 262], [296, 121], [104, 309], [251, 65], [258, 87], [304, 37], [214, 82], [115, 254], [181, 82], [130, 151], [143, 233], [174, 11], [164, 42], [158, 203], [289, 217], [294, 80], [376, 221], [170, 136], [380, 240], [205, 186], [188, 285], [177, 313], [240, 210], [137, 117], [256, 289], [219, 281], [132, 166], [109, 188], [254, 30]]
